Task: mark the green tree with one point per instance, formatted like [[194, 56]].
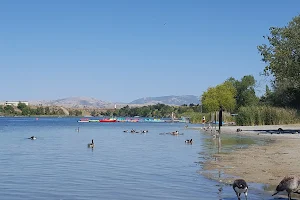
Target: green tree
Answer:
[[245, 91], [8, 109], [24, 108], [21, 106], [223, 94], [26, 111], [282, 58], [47, 111], [40, 110], [283, 96]]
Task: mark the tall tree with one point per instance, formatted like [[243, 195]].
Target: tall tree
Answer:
[[245, 91], [282, 58]]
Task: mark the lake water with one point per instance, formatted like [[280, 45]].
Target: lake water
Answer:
[[59, 166]]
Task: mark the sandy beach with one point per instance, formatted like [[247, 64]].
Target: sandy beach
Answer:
[[266, 164]]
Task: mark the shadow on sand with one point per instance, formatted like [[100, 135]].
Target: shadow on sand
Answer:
[[276, 131]]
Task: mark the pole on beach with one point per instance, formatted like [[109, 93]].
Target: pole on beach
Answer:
[[220, 124], [220, 119]]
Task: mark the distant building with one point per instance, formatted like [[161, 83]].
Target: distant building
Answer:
[[15, 103]]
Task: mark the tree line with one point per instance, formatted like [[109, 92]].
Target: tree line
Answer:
[[25, 110], [155, 111]]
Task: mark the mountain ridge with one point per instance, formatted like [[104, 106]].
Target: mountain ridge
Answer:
[[169, 100], [90, 102]]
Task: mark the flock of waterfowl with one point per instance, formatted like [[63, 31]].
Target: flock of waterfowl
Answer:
[[189, 141], [290, 184], [90, 145]]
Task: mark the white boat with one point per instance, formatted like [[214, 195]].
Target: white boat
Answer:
[[84, 120]]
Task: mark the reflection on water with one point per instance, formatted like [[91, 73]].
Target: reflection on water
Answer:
[[228, 143]]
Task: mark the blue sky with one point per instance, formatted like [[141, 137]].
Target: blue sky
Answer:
[[124, 50]]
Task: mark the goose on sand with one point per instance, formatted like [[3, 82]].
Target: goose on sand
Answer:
[[289, 184]]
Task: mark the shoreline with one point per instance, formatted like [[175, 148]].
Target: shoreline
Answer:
[[288, 131], [263, 164]]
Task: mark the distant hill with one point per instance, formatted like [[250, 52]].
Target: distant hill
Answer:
[[169, 100], [76, 102], [87, 102]]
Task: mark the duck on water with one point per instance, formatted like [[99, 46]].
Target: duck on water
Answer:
[[32, 138], [189, 141], [91, 145]]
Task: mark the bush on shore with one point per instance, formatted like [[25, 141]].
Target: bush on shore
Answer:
[[266, 115]]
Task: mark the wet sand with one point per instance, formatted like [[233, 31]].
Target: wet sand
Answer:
[[266, 164]]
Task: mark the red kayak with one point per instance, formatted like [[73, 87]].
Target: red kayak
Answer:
[[107, 120]]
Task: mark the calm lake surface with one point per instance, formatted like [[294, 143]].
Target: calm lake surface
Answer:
[[58, 165]]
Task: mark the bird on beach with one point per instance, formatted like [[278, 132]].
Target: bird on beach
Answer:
[[240, 186], [280, 130], [32, 138], [289, 184], [91, 145]]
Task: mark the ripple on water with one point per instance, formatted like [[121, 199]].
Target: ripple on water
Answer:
[[58, 165]]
